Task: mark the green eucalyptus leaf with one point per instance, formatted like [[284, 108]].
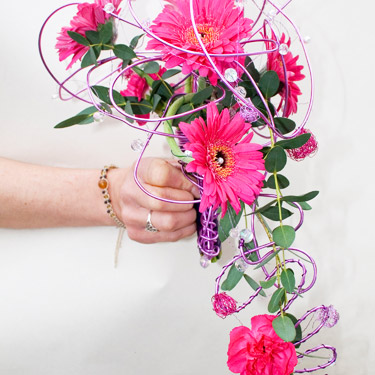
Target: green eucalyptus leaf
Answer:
[[102, 93], [284, 328], [140, 108], [80, 39], [254, 285], [273, 213], [202, 95], [162, 88], [151, 67], [294, 142], [155, 101], [135, 40], [93, 36], [170, 73], [276, 300], [233, 278], [284, 125], [266, 260], [106, 32], [129, 110], [284, 236], [123, 52], [288, 280], [305, 206], [229, 221], [275, 160], [89, 58], [282, 181], [269, 84], [75, 120], [269, 283], [298, 329], [250, 67], [301, 198]]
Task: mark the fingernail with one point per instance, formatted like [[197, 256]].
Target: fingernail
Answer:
[[195, 191]]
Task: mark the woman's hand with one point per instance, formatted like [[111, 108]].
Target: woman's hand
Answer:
[[158, 176]]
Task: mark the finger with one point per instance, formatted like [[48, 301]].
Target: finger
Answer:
[[159, 172], [142, 236], [163, 221], [141, 199]]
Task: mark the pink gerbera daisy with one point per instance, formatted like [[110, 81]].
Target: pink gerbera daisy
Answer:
[[229, 164], [221, 26], [88, 17], [274, 62]]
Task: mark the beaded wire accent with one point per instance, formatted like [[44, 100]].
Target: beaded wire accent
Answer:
[[269, 16]]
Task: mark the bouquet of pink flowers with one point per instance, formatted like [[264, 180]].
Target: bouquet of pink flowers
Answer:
[[216, 80]]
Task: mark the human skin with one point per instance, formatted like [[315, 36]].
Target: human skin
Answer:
[[35, 196]]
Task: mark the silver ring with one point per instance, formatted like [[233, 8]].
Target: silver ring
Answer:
[[149, 226]]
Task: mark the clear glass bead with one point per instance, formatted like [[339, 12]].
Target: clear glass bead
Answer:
[[137, 145], [271, 14], [246, 235], [146, 23], [241, 91], [231, 75], [55, 96], [188, 153], [307, 39], [283, 49], [98, 117], [205, 261], [234, 232], [241, 265], [109, 8]]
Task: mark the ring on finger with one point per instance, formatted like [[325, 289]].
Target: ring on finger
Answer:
[[149, 226]]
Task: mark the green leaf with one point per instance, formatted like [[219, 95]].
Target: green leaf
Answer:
[[106, 32], [284, 125], [272, 213], [276, 300], [284, 328], [123, 52], [89, 58], [269, 84], [128, 109], [170, 73], [93, 36], [229, 221], [265, 261], [294, 142], [305, 206], [275, 160], [202, 95], [258, 103], [298, 329], [233, 278], [162, 88], [140, 108], [250, 67], [269, 283], [78, 38], [301, 198], [135, 40], [284, 236], [282, 181], [102, 93], [155, 101], [151, 67], [288, 280], [75, 120], [254, 285]]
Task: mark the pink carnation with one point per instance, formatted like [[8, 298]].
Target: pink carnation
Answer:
[[229, 164], [293, 71], [88, 17], [220, 24], [259, 350]]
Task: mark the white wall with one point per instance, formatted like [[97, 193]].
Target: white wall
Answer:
[[66, 310]]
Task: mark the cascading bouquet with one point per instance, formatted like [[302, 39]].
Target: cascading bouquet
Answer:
[[215, 79]]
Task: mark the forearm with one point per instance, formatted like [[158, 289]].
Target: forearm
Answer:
[[33, 196]]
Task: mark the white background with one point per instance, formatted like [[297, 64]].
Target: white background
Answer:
[[65, 309]]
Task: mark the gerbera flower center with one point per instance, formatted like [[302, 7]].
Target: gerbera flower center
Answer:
[[207, 32], [221, 159]]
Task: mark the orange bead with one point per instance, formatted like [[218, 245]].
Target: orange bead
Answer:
[[103, 183]]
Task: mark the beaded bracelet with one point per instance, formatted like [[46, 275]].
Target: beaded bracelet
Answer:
[[103, 185]]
